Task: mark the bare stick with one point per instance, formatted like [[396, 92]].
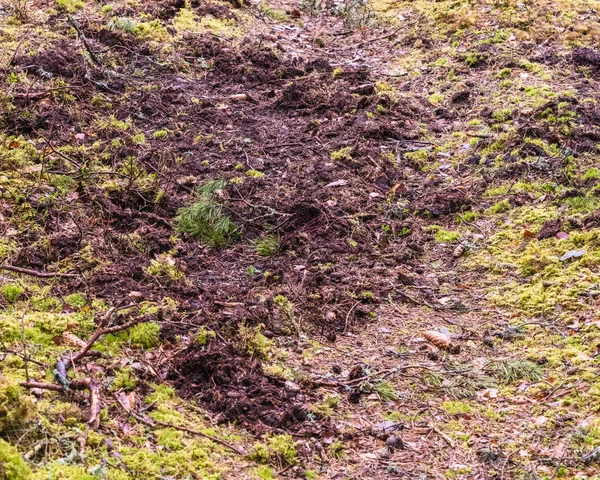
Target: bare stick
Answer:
[[77, 384], [34, 273], [102, 330]]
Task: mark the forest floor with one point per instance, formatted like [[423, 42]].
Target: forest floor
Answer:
[[299, 240]]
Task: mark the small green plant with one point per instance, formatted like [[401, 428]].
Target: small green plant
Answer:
[[204, 336], [12, 292], [511, 370], [386, 392], [267, 246], [204, 219], [160, 134], [337, 72], [251, 270], [343, 153]]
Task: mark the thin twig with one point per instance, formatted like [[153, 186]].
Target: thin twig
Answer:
[[34, 273], [348, 317], [102, 330]]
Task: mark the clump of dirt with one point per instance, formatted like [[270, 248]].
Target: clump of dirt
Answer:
[[62, 59], [443, 203], [234, 387], [549, 229], [587, 57]]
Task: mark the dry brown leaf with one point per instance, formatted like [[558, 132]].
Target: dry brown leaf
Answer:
[[71, 339]]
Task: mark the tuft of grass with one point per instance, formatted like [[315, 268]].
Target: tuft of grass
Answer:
[[511, 370], [267, 246], [204, 219], [386, 392]]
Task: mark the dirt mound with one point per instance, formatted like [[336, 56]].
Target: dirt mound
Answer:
[[234, 387]]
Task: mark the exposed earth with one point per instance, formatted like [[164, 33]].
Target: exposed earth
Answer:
[[299, 240]]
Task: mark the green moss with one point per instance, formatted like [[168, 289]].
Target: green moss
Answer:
[[143, 335], [165, 266], [442, 235], [456, 407], [325, 408], [12, 292], [152, 31], [279, 450], [76, 301], [159, 134], [125, 380], [255, 174], [70, 6], [204, 335], [276, 14], [436, 98], [255, 343], [16, 408], [265, 473], [171, 439], [162, 393], [343, 153], [13, 467], [499, 207]]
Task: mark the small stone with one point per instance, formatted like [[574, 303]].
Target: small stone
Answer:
[[394, 442]]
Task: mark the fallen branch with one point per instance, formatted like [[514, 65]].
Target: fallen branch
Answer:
[[76, 384], [102, 330], [34, 273]]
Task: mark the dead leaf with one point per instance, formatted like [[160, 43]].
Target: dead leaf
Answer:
[[528, 234], [337, 183]]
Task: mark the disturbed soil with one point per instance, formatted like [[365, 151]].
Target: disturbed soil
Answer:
[[403, 182]]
